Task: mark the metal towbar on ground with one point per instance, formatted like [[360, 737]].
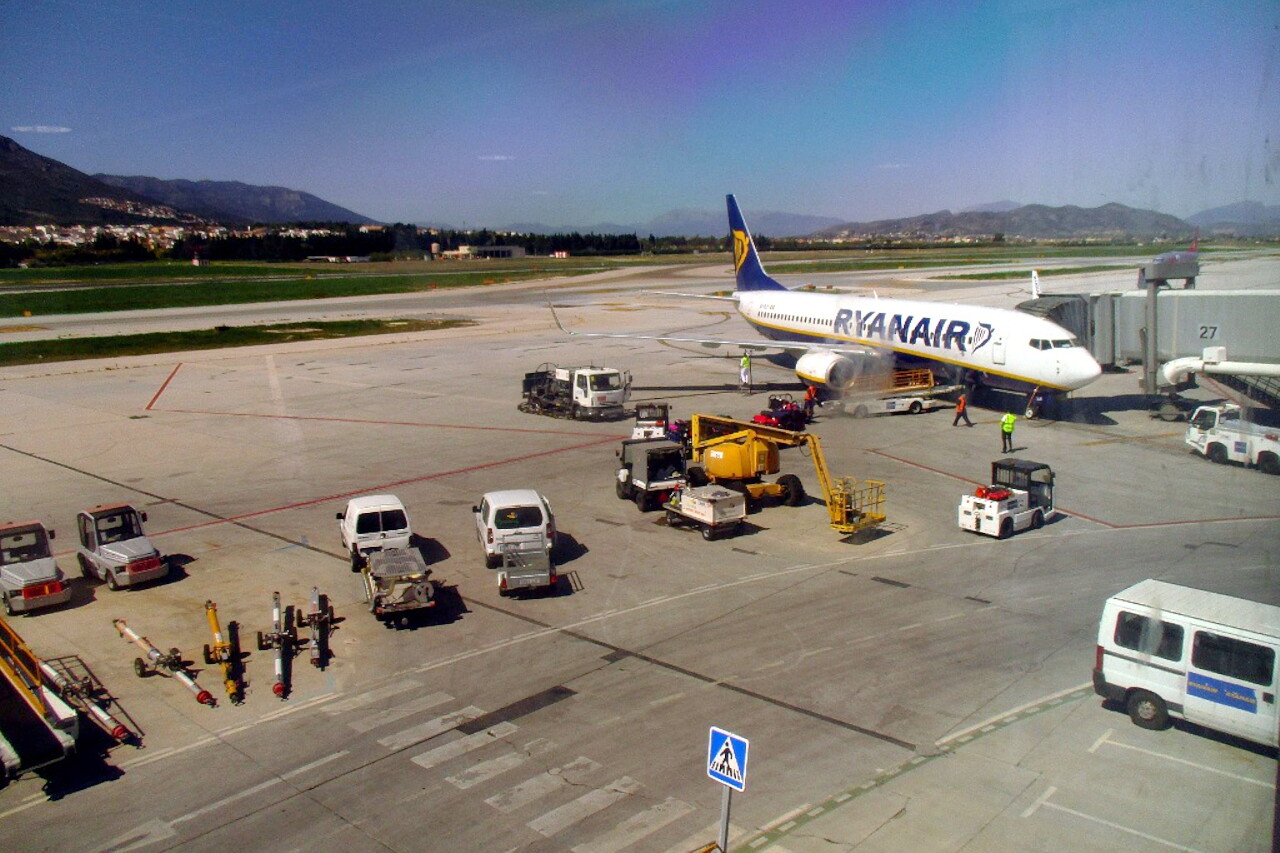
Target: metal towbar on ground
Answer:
[[319, 619], [80, 688], [224, 651], [159, 663], [283, 637]]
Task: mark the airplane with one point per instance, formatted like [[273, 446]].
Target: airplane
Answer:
[[838, 338], [1184, 264]]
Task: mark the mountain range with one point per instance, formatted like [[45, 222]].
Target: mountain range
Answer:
[[36, 190]]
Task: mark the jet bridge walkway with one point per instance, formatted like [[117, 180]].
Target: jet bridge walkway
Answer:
[[30, 733]]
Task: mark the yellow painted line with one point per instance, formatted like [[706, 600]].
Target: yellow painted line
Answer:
[[1158, 437], [4, 329]]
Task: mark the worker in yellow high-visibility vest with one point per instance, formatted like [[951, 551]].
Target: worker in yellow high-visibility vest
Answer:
[[1006, 432]]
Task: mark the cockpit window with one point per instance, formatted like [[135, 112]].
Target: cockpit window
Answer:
[[1065, 343]]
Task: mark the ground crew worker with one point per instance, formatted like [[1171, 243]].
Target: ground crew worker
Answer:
[[745, 372], [810, 400], [962, 410], [1006, 432]]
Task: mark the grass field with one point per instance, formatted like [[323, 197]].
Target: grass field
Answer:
[[70, 349]]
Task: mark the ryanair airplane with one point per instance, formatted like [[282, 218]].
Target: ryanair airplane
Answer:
[[836, 338]]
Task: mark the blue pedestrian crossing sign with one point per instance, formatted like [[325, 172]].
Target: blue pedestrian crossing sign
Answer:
[[727, 759]]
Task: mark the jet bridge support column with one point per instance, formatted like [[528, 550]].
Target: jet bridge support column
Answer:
[[1151, 336]]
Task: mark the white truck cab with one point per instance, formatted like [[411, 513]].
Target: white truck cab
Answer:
[[1020, 496], [113, 547], [1228, 433], [29, 576], [373, 523]]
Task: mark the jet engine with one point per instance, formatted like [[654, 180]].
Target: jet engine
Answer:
[[836, 371]]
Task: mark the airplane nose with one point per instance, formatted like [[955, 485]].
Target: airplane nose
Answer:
[[1081, 370]]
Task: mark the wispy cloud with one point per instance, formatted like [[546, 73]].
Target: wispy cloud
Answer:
[[40, 128], [496, 158], [892, 166]]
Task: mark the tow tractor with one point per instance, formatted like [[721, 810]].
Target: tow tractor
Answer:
[[594, 393], [651, 420], [649, 469], [1020, 496], [738, 454]]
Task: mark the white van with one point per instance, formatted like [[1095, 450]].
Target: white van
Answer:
[[1166, 650], [517, 517], [372, 523]]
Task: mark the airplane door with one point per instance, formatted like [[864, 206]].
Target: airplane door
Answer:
[[997, 349]]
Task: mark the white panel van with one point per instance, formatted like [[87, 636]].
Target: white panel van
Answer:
[[1166, 650]]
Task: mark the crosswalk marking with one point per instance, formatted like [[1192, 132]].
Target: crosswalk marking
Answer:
[[463, 745], [626, 834], [540, 785], [483, 771], [378, 719], [429, 729], [557, 820], [371, 696]]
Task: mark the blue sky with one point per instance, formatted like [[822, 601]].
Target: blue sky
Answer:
[[484, 114]]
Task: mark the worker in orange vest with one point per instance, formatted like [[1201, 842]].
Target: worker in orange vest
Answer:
[[962, 410], [810, 400]]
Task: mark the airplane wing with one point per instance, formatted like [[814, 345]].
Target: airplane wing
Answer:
[[793, 348], [732, 299]]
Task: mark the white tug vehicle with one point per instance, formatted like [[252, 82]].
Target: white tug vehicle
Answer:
[[1020, 496]]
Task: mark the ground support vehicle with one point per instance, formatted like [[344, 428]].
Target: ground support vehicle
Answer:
[[715, 510], [525, 565], [783, 412], [397, 581], [76, 684], [113, 547], [581, 393], [225, 652], [1020, 496], [319, 619], [911, 391], [649, 469], [283, 637], [371, 523], [37, 727], [29, 576], [1166, 650], [170, 664], [513, 515], [651, 420], [738, 454], [1228, 433]]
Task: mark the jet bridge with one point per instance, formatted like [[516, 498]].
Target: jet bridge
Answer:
[[1114, 326]]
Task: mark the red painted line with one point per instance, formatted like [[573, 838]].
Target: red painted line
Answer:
[[385, 486], [164, 386], [368, 422]]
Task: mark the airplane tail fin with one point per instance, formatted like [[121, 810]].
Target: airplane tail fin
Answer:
[[747, 268], [1036, 293]]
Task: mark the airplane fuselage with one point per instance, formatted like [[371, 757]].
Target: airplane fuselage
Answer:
[[1008, 348]]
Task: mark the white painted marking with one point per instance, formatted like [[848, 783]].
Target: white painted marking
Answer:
[[486, 770], [987, 725], [371, 696], [377, 719], [1100, 741], [1031, 809], [1262, 783], [794, 813], [627, 834], [319, 762], [148, 759], [429, 729], [148, 833], [1114, 825], [463, 745], [541, 785], [559, 819], [295, 707], [226, 801]]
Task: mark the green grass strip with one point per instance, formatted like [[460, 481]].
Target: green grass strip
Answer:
[[111, 346]]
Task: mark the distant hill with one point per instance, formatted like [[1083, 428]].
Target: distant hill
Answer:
[[36, 190], [1030, 221], [690, 222], [1244, 219], [227, 201]]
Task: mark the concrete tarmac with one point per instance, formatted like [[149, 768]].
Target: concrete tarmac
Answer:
[[918, 688]]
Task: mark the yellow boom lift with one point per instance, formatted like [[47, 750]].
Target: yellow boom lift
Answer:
[[740, 454]]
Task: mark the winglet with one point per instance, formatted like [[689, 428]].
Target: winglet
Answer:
[[747, 268]]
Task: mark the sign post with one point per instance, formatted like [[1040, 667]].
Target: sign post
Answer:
[[727, 764]]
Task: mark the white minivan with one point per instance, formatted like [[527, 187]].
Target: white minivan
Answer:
[[517, 517], [373, 523], [1166, 650]]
